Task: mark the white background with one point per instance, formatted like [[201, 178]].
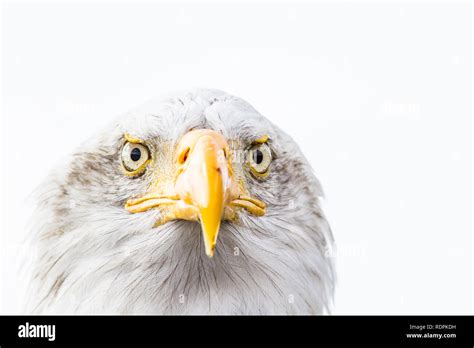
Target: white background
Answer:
[[377, 95]]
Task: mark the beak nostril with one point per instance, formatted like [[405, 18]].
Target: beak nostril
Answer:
[[184, 156]]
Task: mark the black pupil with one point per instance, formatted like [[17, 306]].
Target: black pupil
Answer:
[[135, 154], [258, 156]]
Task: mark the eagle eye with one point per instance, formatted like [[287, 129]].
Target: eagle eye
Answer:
[[259, 159], [135, 156]]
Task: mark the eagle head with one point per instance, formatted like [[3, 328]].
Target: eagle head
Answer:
[[192, 204]]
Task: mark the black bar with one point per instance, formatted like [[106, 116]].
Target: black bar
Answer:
[[195, 330]]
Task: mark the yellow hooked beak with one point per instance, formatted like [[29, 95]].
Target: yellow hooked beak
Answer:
[[205, 181], [204, 188]]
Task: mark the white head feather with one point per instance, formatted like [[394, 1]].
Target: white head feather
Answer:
[[96, 257]]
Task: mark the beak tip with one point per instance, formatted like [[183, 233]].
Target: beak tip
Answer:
[[210, 250], [210, 229], [209, 246]]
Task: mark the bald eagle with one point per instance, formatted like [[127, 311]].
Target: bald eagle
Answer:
[[190, 204]]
